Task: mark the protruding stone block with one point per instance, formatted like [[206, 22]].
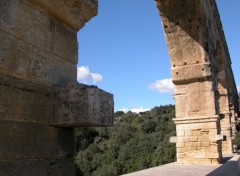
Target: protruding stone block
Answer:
[[173, 139], [220, 137], [190, 72], [81, 105], [74, 13]]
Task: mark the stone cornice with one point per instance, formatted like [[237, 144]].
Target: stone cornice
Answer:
[[74, 13]]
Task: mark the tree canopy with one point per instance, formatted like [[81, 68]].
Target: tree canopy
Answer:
[[135, 142]]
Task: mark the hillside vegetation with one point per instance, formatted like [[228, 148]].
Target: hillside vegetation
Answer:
[[135, 142]]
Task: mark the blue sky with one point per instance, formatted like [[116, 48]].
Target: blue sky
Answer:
[[123, 51]]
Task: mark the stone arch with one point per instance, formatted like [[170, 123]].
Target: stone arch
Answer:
[[195, 37]]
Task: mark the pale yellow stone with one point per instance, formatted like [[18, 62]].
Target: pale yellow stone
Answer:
[[180, 133], [193, 139]]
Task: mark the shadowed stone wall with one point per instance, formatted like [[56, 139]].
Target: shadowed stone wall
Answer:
[[38, 57], [206, 95]]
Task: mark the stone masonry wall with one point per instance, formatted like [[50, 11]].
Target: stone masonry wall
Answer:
[[39, 52], [202, 75]]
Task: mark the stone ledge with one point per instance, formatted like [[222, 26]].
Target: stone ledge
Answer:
[[198, 119], [74, 13], [190, 72], [77, 105], [68, 105]]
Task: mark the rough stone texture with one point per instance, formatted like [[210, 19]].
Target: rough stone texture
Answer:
[[46, 53], [37, 168], [27, 141], [81, 105], [74, 13], [204, 82], [38, 55]]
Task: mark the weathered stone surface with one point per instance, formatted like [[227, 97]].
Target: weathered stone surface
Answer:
[[38, 50], [37, 168], [81, 105], [23, 60], [38, 44], [24, 141], [201, 72], [196, 139], [24, 101], [42, 30], [74, 13], [194, 99], [191, 73]]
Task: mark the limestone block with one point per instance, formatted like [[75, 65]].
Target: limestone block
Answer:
[[199, 100], [180, 144], [190, 72], [196, 144], [182, 139], [64, 42], [204, 144], [81, 105], [173, 139], [189, 145], [74, 13], [199, 155], [33, 26], [23, 21], [38, 168], [20, 141], [181, 150], [204, 138], [24, 101], [23, 60], [193, 139], [180, 91], [181, 108], [189, 133], [181, 155], [196, 132], [180, 133]]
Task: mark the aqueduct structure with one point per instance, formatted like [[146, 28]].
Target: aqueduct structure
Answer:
[[41, 102]]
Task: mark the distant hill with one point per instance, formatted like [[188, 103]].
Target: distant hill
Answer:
[[135, 142]]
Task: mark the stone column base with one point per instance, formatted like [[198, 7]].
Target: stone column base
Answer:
[[198, 140]]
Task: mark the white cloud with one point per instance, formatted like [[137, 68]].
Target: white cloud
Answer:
[[84, 75], [125, 110], [162, 86], [137, 109]]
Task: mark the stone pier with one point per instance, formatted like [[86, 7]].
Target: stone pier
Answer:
[[40, 101], [202, 75]]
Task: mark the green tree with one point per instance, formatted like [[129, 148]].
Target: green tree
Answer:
[[135, 142]]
